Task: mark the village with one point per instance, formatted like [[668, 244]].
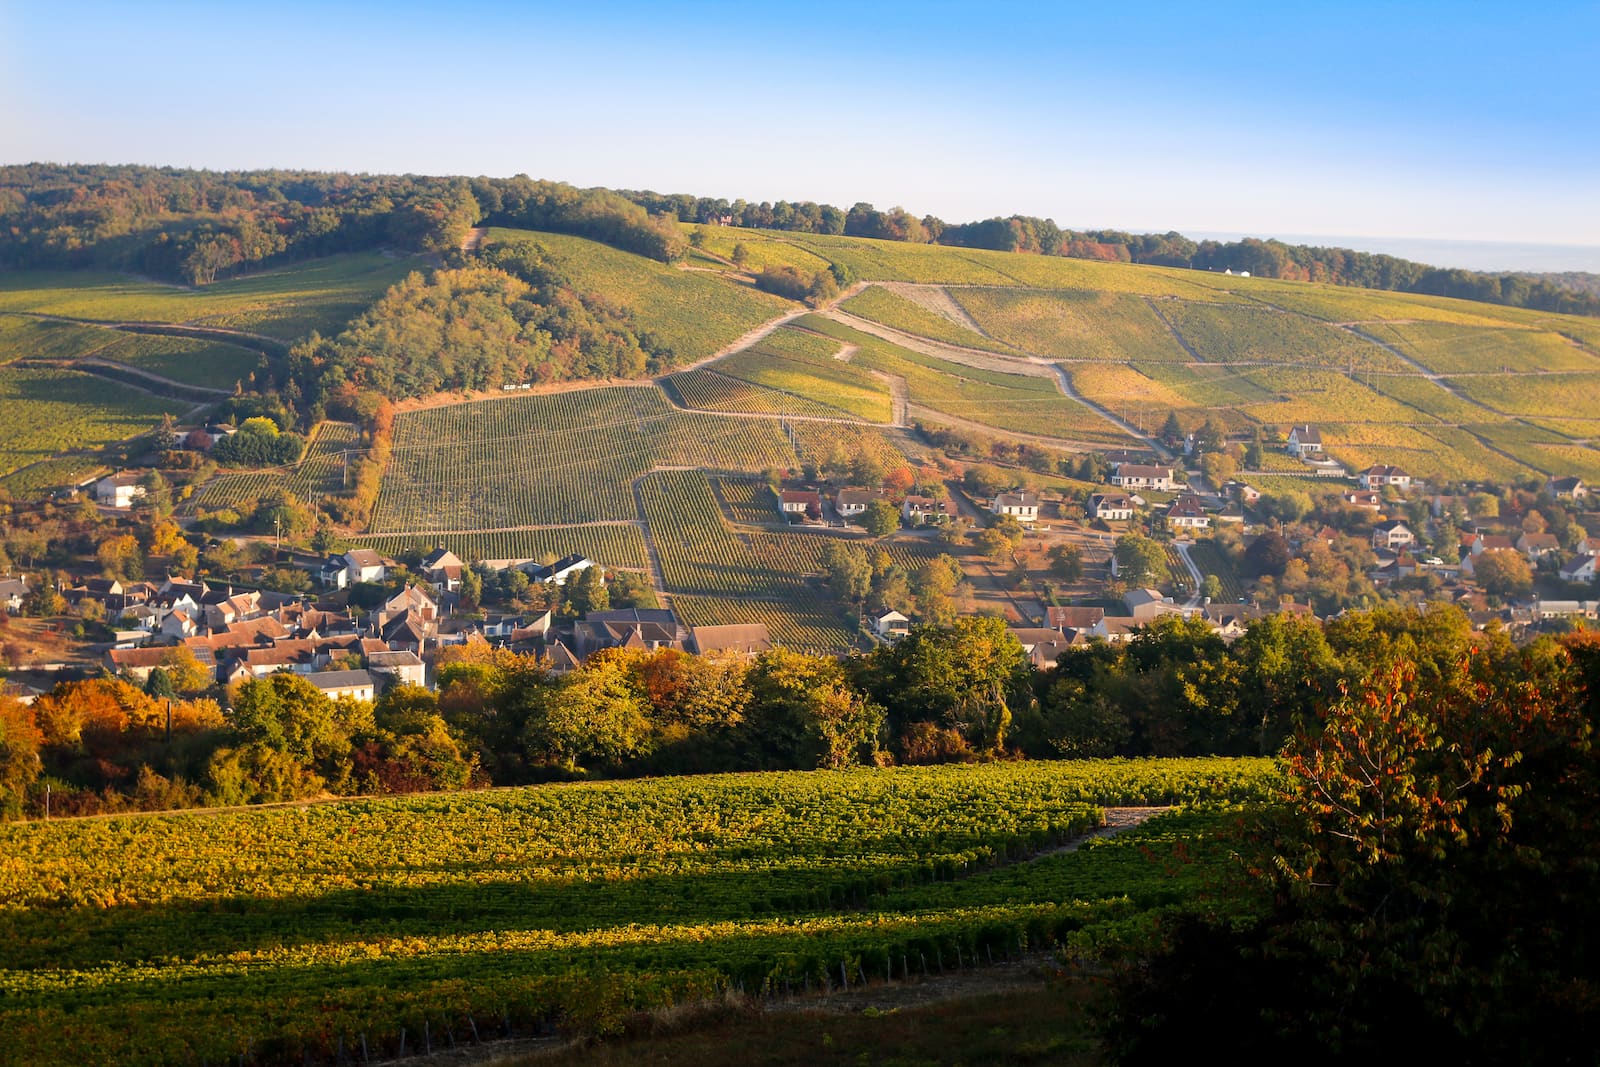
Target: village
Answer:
[[1153, 540]]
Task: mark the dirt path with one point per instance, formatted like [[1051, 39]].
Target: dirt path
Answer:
[[473, 239], [1432, 376], [1064, 381], [846, 353], [139, 372], [658, 578], [899, 398]]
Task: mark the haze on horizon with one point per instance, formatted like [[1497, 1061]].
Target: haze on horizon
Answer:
[[1423, 121]]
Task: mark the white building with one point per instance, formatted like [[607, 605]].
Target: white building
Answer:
[[118, 490]]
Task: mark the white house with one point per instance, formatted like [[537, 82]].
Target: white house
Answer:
[[443, 568], [924, 511], [851, 501], [1186, 513], [1380, 475], [118, 490], [1537, 545], [800, 503], [1140, 476], [891, 625], [1304, 441], [336, 684], [1024, 507], [1580, 569], [1393, 534], [1566, 488], [559, 571], [13, 591], [1111, 507]]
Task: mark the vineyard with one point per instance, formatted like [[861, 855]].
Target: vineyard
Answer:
[[286, 303], [805, 625], [210, 937], [1076, 324], [714, 390], [203, 363], [1211, 560], [802, 364], [46, 411], [1025, 402], [556, 459], [752, 503], [881, 305], [691, 312], [618, 545], [320, 473], [1452, 349], [24, 337]]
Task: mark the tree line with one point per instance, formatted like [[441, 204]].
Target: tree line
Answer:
[[199, 226]]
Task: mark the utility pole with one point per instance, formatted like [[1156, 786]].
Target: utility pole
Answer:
[[277, 522]]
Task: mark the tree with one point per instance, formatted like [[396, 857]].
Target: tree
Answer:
[[964, 675], [595, 714], [1218, 467], [849, 571], [993, 543], [1211, 588], [1503, 572], [881, 518], [120, 557], [1066, 562], [1267, 555], [1141, 561], [741, 255], [586, 591], [1171, 433]]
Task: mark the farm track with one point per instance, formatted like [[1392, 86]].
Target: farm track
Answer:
[[937, 299], [658, 579]]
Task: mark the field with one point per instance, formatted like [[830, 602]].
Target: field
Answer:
[[762, 249], [618, 545], [25, 337], [1446, 348], [1538, 396], [209, 937], [46, 411], [1074, 324], [208, 364], [802, 366], [1026, 403], [896, 309], [692, 312], [286, 303], [1248, 333], [561, 458]]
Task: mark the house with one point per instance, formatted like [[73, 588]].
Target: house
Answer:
[[396, 668], [1042, 644], [559, 571], [335, 684], [1566, 488], [443, 568], [365, 565], [1537, 545], [891, 625], [13, 591], [136, 663], [559, 659], [1146, 604], [1579, 569], [1393, 534], [925, 511], [747, 638], [410, 599], [646, 628], [1304, 441], [850, 502], [1024, 507], [1140, 476], [1364, 499], [799, 504], [1380, 475], [1091, 622], [118, 490], [1246, 493], [179, 624], [1110, 507], [1186, 513]]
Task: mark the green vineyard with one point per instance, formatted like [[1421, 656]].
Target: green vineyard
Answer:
[[612, 545], [289, 935]]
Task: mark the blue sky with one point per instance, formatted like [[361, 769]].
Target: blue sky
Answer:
[[1466, 121]]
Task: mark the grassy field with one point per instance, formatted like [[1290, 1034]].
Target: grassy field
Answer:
[[1073, 324], [893, 309], [762, 250], [803, 364], [46, 411], [286, 303], [1537, 396], [196, 937], [1248, 333], [692, 312]]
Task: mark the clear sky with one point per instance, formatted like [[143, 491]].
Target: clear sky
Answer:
[[1464, 121]]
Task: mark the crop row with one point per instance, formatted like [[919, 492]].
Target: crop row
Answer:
[[807, 625], [1075, 324]]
